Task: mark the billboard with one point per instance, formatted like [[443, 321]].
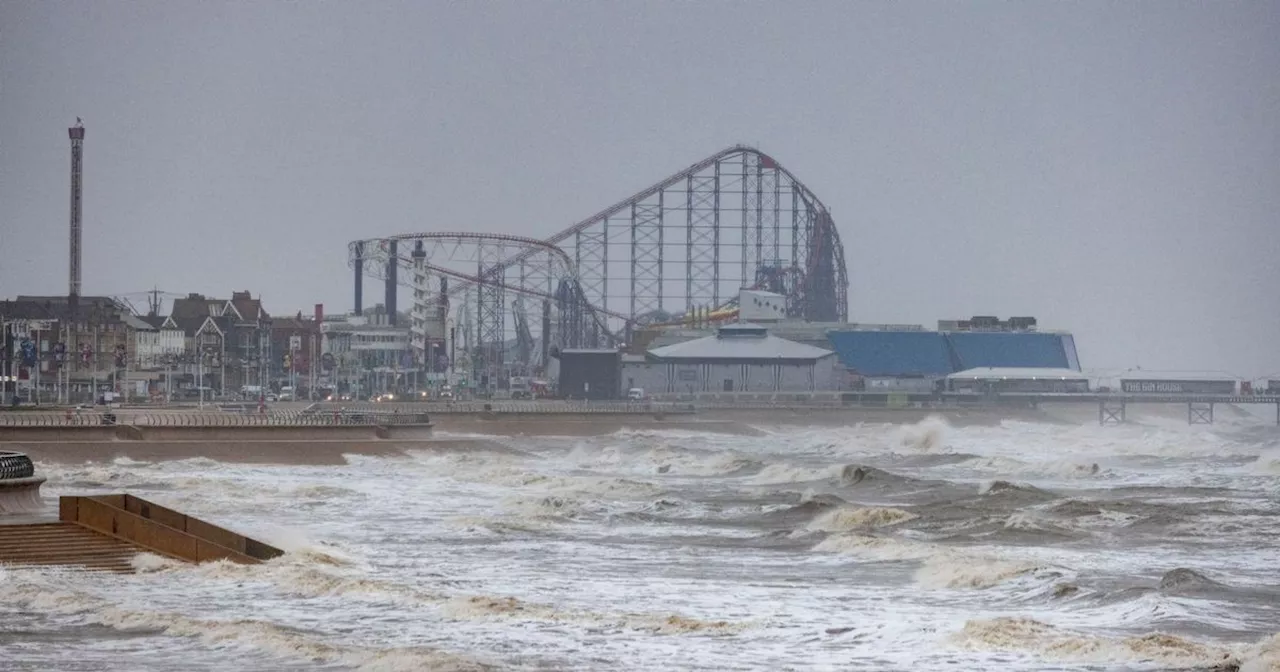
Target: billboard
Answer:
[[1140, 386]]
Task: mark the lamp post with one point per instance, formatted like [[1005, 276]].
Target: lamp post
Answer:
[[222, 365], [449, 328], [200, 375], [36, 386]]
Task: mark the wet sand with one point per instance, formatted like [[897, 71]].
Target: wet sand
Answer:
[[849, 416], [307, 445], [725, 421], [309, 452], [564, 424], [280, 452]]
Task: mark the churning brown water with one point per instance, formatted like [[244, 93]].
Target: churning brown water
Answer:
[[923, 547]]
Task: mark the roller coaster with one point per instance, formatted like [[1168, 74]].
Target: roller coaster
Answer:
[[682, 246]]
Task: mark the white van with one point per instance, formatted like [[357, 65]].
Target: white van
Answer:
[[635, 394]]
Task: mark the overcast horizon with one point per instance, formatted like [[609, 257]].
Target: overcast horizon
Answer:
[[1110, 168]]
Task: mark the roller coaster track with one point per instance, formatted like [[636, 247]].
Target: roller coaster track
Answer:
[[808, 196], [492, 279], [788, 244]]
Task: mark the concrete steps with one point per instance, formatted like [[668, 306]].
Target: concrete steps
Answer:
[[64, 543]]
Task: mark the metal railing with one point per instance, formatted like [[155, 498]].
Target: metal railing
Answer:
[[213, 419], [15, 465], [285, 419], [49, 419], [504, 407]]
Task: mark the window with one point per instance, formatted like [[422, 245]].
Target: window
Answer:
[[728, 384]]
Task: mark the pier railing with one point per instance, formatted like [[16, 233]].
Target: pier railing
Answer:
[[213, 419], [516, 407]]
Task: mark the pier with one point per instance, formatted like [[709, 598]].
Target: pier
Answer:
[[1113, 407]]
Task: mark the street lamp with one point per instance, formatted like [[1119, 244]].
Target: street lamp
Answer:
[[200, 375], [222, 365]]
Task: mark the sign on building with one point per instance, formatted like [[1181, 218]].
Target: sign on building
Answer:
[[19, 327], [1137, 386]]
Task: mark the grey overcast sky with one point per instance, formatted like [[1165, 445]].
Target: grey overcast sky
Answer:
[[1110, 167]]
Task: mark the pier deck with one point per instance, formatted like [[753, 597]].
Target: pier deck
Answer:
[[1113, 407]]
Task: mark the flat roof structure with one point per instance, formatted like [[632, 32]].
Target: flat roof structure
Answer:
[[1145, 374], [1017, 373]]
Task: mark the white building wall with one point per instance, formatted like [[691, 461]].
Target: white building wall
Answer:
[[680, 378], [758, 306], [146, 348], [908, 385], [172, 341], [151, 347], [652, 378], [424, 316]]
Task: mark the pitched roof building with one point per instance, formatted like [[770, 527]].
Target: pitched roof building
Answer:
[[739, 358], [739, 342]]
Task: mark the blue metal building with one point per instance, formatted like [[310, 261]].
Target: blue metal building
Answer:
[[932, 355], [893, 353]]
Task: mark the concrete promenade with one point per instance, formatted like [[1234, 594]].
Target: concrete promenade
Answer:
[[357, 422]]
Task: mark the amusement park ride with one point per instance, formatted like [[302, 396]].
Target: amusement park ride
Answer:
[[683, 246]]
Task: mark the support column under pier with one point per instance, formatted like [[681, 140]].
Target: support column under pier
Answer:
[[1199, 413], [1111, 412]]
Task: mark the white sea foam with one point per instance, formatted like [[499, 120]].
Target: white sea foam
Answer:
[[657, 549]]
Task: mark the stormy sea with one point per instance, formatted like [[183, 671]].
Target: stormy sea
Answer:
[[928, 546]]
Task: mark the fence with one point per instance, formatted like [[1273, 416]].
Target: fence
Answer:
[[528, 407], [755, 400], [213, 419]]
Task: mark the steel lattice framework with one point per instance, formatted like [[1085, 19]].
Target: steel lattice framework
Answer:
[[736, 219], [484, 290]]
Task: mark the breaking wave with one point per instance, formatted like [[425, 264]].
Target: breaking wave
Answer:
[[845, 519], [927, 436], [1024, 634], [44, 594], [528, 549]]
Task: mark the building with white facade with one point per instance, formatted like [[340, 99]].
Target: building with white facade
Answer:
[[994, 379], [761, 307], [369, 354], [738, 358], [163, 342], [428, 318]]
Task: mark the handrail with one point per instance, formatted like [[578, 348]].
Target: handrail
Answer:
[[193, 526], [101, 515], [216, 419], [15, 465]]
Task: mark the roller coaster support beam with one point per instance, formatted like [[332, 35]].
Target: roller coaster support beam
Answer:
[[358, 265]]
